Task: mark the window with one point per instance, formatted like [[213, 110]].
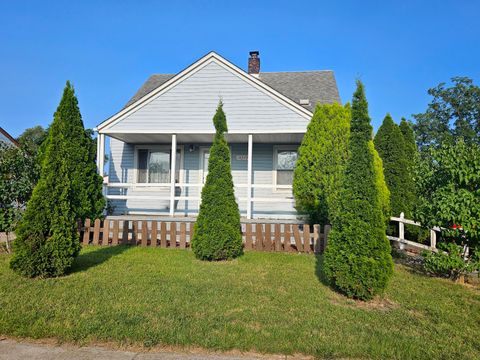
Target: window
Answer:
[[285, 160], [154, 166], [205, 157]]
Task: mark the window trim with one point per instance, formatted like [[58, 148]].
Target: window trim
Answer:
[[156, 147], [276, 150]]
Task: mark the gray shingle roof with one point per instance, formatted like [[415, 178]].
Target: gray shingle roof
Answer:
[[314, 86]]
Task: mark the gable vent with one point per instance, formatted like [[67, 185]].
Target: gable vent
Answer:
[[304, 102]]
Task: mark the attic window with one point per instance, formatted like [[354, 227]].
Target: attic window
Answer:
[[304, 101]]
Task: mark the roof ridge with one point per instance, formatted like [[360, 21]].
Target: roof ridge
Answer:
[[295, 71]]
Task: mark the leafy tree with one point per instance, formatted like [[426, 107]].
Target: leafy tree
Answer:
[[321, 162], [391, 147], [18, 176], [32, 138], [217, 234], [453, 113], [47, 239], [449, 191], [357, 260]]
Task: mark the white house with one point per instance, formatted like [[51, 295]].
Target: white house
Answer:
[[6, 138], [267, 115]]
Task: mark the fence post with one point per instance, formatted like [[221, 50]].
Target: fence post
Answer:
[[317, 247], [433, 239], [401, 230]]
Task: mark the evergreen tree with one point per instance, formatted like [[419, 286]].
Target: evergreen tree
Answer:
[[411, 156], [357, 259], [391, 147], [68, 189], [322, 157], [383, 192], [217, 234]]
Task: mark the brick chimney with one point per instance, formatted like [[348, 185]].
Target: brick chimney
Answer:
[[254, 63]]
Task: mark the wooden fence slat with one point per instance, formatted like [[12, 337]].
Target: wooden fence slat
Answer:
[[125, 231], [96, 231], [287, 244], [258, 237], [134, 239], [306, 238], [115, 232], [163, 234], [267, 240], [173, 234], [144, 233], [278, 238], [86, 232], [298, 240], [317, 246], [248, 236], [183, 235], [153, 239], [106, 232], [191, 232]]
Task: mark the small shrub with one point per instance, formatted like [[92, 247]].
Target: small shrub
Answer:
[[450, 262]]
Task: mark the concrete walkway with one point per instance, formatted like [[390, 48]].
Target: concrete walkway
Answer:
[[14, 350]]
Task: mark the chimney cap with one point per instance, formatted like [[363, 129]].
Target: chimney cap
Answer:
[[254, 53]]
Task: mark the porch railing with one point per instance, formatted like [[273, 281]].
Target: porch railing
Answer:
[[284, 197]]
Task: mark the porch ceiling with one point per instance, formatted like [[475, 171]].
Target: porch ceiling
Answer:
[[139, 138]]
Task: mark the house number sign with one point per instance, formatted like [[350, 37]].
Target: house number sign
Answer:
[[241, 157]]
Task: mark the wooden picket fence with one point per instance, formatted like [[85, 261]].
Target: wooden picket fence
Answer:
[[178, 234]]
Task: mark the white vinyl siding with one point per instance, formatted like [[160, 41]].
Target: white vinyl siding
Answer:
[[191, 104]]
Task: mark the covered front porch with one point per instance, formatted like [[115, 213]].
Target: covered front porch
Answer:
[[145, 180]]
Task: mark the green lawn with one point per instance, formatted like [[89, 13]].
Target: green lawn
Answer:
[[263, 302]]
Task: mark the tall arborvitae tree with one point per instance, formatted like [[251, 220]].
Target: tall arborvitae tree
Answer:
[[68, 189], [411, 156], [217, 234], [357, 259], [322, 157], [391, 147]]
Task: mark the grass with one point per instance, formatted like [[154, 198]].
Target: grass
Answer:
[[262, 302]]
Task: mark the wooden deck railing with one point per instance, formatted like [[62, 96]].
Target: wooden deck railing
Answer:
[[178, 234]]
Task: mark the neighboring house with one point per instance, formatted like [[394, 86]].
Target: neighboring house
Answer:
[[267, 116], [7, 138]]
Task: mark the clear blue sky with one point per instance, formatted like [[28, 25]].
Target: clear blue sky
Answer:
[[108, 48]]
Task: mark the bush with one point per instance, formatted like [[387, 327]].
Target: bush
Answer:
[[322, 157], [451, 262], [357, 258], [217, 234], [47, 239]]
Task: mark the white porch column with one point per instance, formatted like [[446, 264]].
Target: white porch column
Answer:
[[249, 176], [102, 153], [172, 174]]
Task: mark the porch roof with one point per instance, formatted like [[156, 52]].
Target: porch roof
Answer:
[[293, 137]]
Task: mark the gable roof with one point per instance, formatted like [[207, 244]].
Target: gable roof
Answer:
[[211, 57], [315, 86], [5, 136]]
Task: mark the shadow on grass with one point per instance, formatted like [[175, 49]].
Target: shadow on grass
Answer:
[[319, 270], [90, 259]]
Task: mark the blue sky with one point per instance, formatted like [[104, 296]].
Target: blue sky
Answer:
[[107, 49]]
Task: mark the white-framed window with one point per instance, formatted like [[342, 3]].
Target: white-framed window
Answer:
[[284, 160], [153, 164]]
